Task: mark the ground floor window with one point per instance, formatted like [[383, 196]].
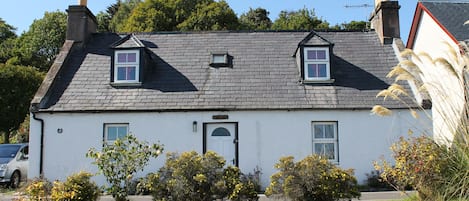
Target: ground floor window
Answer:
[[325, 140], [113, 132]]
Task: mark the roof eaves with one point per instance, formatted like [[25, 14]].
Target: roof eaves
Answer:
[[42, 93]]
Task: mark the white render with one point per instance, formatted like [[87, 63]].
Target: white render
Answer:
[[445, 90], [264, 137]]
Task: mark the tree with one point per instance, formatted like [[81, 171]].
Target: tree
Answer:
[[17, 87], [302, 19], [255, 19], [211, 16], [6, 31], [119, 162], [7, 38], [355, 25], [42, 42], [120, 17], [104, 18]]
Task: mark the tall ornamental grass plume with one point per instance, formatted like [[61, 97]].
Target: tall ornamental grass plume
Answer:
[[436, 166]]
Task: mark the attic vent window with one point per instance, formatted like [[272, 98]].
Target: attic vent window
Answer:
[[126, 66], [316, 63], [219, 60]]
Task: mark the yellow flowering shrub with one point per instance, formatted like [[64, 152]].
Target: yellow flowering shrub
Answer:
[[77, 187], [313, 178]]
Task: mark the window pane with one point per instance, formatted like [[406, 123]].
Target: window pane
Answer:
[[111, 133], [311, 54], [312, 70], [318, 131], [321, 54], [121, 73], [131, 57], [322, 70], [131, 73], [221, 132], [219, 58], [121, 57], [329, 131], [325, 149]]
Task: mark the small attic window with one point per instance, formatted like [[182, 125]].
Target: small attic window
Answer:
[[316, 64], [126, 66], [219, 60]]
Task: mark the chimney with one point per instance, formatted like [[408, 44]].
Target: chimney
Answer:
[[385, 20], [81, 22]]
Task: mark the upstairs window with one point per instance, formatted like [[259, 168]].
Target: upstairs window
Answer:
[[316, 63], [126, 66]]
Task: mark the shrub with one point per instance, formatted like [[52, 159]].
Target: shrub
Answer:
[[313, 178], [374, 182], [38, 189], [120, 161], [190, 176], [77, 187]]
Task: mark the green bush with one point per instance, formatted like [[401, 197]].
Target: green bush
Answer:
[[77, 187], [120, 161], [190, 176], [313, 178]]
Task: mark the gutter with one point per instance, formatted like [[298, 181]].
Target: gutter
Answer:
[[41, 156]]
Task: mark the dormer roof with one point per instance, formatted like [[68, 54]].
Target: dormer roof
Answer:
[[128, 42]]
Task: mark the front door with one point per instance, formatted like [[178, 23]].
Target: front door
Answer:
[[222, 139]]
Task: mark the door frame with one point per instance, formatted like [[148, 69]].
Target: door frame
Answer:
[[236, 139]]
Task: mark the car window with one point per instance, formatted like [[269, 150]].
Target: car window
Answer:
[[9, 151]]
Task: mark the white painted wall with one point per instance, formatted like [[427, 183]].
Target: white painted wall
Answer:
[[264, 137], [446, 91]]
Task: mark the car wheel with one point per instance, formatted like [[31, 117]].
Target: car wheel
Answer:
[[15, 180]]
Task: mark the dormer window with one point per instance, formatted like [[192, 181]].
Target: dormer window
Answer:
[[316, 64], [126, 66]]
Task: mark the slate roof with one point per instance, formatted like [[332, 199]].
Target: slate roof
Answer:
[[264, 75], [452, 15]]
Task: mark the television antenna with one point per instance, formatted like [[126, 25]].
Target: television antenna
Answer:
[[358, 6]]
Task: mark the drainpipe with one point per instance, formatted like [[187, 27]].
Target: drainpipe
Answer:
[[41, 171]]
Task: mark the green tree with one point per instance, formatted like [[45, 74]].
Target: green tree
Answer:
[[355, 25], [215, 15], [18, 84], [302, 19], [255, 19], [122, 14], [39, 45], [7, 38], [6, 31], [119, 162], [104, 18], [150, 16]]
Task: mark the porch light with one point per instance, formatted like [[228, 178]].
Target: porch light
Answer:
[[194, 126]]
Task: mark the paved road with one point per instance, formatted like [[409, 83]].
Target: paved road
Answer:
[[366, 196]]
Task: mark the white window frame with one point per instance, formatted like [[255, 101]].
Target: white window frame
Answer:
[[108, 125], [307, 61], [125, 64], [333, 140]]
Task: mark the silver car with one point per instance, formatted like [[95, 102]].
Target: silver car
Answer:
[[13, 164]]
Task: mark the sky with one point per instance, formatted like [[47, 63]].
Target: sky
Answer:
[[21, 13]]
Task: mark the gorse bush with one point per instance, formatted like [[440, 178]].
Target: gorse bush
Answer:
[[438, 167], [77, 187], [38, 189], [190, 176], [119, 162], [313, 178]]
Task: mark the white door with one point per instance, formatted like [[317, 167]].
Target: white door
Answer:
[[221, 138]]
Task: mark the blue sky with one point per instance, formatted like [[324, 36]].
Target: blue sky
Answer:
[[21, 13]]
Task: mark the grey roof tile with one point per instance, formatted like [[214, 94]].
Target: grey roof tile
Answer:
[[452, 15], [264, 74]]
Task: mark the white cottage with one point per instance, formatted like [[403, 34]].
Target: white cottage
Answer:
[[437, 28], [253, 97]]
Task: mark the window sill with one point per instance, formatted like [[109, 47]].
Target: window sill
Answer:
[[329, 81], [126, 84]]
